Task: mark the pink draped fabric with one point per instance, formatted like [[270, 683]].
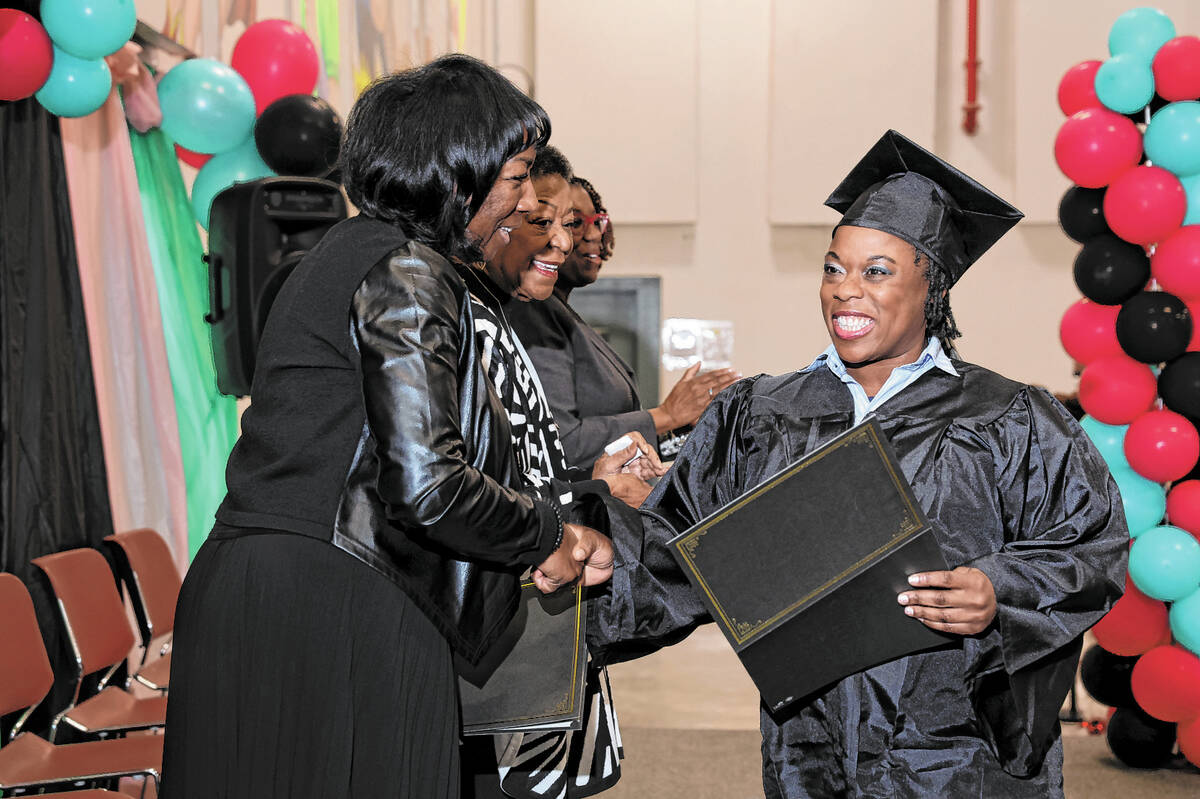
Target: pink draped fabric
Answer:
[[129, 358]]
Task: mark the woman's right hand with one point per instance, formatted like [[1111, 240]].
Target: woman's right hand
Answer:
[[584, 553], [628, 487], [690, 396]]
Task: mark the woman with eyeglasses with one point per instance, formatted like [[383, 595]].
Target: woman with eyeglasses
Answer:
[[591, 389]]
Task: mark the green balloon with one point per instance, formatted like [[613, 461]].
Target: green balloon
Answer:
[[239, 165], [1145, 501]]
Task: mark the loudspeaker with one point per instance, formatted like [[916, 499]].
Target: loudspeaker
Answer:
[[258, 231]]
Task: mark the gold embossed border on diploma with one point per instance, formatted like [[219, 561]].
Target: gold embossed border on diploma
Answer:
[[690, 543]]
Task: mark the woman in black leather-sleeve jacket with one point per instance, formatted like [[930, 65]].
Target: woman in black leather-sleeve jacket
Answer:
[[373, 526]]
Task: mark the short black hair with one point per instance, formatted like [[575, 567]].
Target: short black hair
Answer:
[[423, 147], [551, 161], [608, 239]]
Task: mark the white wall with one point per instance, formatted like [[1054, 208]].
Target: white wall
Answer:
[[785, 97]]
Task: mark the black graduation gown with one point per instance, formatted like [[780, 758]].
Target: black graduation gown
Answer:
[[1011, 485]]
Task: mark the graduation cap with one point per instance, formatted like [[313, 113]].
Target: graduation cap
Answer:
[[903, 189]]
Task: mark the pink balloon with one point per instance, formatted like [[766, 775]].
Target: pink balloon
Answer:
[[1096, 145], [1177, 69], [26, 55], [277, 59], [1162, 445], [1176, 263], [1145, 204], [1116, 389], [1089, 331], [1077, 89], [1183, 506]]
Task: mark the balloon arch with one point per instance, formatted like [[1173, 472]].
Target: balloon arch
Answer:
[[1131, 144]]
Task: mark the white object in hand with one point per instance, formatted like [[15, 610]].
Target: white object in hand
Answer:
[[620, 444]]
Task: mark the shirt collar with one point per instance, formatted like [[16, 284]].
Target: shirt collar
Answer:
[[933, 352]]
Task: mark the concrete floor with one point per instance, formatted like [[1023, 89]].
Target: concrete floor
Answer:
[[689, 720]]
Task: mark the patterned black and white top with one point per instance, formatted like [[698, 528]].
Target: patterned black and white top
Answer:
[[535, 435], [553, 764]]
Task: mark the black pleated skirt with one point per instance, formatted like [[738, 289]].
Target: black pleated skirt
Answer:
[[297, 672]]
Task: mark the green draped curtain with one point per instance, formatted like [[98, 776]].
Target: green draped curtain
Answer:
[[207, 419]]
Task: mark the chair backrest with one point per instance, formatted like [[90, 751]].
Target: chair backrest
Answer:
[[155, 578], [25, 673], [91, 607]]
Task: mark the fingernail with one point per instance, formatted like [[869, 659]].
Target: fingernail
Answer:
[[902, 599], [909, 611], [914, 579]]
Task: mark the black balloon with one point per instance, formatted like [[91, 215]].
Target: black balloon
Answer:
[[1107, 677], [1109, 270], [1081, 214], [1154, 326], [1179, 384], [1140, 740], [299, 135]]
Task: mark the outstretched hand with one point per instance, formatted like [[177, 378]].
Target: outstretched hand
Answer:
[[961, 601]]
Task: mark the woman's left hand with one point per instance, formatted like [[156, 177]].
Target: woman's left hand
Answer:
[[961, 601]]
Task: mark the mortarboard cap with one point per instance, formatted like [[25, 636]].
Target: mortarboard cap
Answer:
[[903, 189]]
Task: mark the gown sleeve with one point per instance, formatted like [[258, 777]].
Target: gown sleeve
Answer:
[[1058, 571], [649, 602]]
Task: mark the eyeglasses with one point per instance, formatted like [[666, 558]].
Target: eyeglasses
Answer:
[[583, 222]]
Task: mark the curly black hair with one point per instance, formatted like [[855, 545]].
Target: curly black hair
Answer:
[[607, 240]]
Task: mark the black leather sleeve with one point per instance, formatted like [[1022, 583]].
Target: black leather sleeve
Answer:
[[405, 319]]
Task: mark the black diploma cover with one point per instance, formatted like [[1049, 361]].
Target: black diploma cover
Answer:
[[801, 573], [532, 678]]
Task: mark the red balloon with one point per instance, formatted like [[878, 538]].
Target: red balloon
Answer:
[[26, 55], [1116, 389], [1183, 506], [1136, 624], [1089, 331], [1145, 204], [277, 59], [192, 158], [1096, 145], [1176, 263], [1188, 736], [1162, 445], [1177, 69], [1077, 89], [1166, 683]]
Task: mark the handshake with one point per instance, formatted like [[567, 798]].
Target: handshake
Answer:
[[584, 554]]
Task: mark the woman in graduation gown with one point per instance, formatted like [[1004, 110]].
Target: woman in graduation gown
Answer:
[[1021, 503]]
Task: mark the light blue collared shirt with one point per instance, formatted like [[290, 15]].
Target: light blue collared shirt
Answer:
[[901, 377]]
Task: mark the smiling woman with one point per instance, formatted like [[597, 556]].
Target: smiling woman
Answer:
[[1020, 502]]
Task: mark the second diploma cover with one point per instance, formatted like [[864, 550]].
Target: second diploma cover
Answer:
[[801, 573]]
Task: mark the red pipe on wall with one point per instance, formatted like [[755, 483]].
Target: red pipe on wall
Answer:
[[971, 108]]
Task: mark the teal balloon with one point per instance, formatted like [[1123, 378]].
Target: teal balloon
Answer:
[[222, 171], [89, 28], [1164, 563], [1125, 83], [1145, 501], [1172, 138], [207, 107], [1110, 440], [1140, 32], [1191, 188], [76, 86], [1185, 621]]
